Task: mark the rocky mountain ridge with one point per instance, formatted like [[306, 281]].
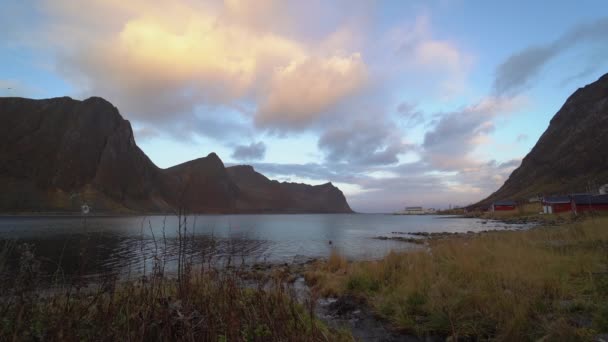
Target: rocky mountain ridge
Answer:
[[571, 156], [59, 153], [260, 194]]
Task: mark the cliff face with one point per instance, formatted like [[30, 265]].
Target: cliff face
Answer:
[[57, 150], [571, 154], [203, 185], [260, 194], [57, 153]]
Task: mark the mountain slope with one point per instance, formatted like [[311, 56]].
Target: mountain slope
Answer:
[[260, 194], [571, 154], [56, 154], [55, 151], [203, 185]]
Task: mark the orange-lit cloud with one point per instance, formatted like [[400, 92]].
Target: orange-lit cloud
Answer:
[[440, 59], [163, 58], [301, 91]]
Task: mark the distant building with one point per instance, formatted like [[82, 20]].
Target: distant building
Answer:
[[556, 204], [416, 211], [413, 211], [603, 189], [504, 205], [585, 202]]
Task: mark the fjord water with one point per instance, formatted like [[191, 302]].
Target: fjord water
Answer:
[[127, 246]]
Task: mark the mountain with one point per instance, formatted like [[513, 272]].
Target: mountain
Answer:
[[572, 154], [260, 194], [203, 185], [56, 154], [56, 151]]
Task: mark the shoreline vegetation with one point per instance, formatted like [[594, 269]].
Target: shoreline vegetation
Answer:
[[546, 283], [207, 306], [139, 214], [196, 302]]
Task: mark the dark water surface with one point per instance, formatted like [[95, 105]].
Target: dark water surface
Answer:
[[127, 246]]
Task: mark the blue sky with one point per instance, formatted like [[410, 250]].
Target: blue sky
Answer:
[[397, 102]]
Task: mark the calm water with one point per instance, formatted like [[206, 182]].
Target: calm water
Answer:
[[127, 246]]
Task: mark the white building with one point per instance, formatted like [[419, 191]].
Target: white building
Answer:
[[416, 211], [413, 211]]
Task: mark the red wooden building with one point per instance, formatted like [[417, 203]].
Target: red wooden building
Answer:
[[558, 204], [585, 203], [504, 206]]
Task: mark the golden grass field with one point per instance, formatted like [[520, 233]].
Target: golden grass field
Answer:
[[547, 283]]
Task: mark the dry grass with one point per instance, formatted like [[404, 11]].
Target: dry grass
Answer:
[[336, 261], [202, 304], [547, 282], [210, 307], [327, 273]]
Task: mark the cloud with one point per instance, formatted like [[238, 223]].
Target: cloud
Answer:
[[157, 67], [363, 142], [441, 60], [411, 115], [522, 138], [487, 176], [518, 71], [302, 91], [145, 133], [253, 151], [260, 15], [420, 184], [456, 134], [160, 61], [433, 53], [316, 171], [595, 61], [513, 163]]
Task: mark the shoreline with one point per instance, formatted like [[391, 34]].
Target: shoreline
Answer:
[[78, 215], [506, 278], [361, 297]]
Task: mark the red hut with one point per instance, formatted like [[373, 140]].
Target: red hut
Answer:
[[504, 205], [584, 203], [559, 204]]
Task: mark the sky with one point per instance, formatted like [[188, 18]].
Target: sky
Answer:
[[398, 103]]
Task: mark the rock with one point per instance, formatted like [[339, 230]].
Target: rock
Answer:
[[601, 338], [418, 241], [343, 306]]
